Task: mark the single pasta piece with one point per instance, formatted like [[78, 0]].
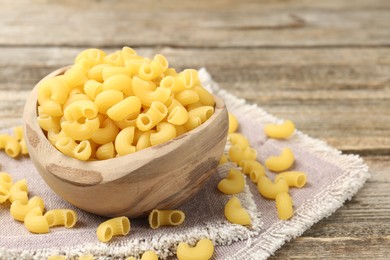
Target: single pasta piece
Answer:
[[282, 162], [55, 89], [281, 131], [106, 133], [128, 107], [19, 210], [47, 122], [205, 97], [35, 222], [106, 151], [224, 159], [177, 113], [269, 189], [235, 213], [194, 105], [110, 71], [10, 144], [113, 227], [86, 257], [144, 140], [74, 98], [149, 255], [83, 151], [124, 141], [107, 99], [187, 97], [93, 88], [94, 56], [118, 82], [203, 250], [4, 194], [19, 191], [233, 183], [188, 77], [152, 117], [18, 133], [66, 145], [114, 59], [76, 76], [56, 257], [128, 54], [253, 168], [127, 122], [5, 180], [293, 178], [23, 146], [203, 112], [237, 154], [96, 73], [61, 217], [80, 109], [141, 89], [172, 83], [233, 123], [165, 132], [51, 108], [80, 131], [158, 218], [284, 205], [192, 123], [238, 140]]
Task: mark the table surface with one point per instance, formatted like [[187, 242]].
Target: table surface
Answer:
[[323, 64]]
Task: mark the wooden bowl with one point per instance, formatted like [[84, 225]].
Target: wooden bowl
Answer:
[[159, 177]]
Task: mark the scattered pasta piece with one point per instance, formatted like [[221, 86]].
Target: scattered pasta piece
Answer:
[[281, 131], [86, 257], [19, 191], [293, 178], [239, 140], [253, 168], [284, 205], [10, 145], [233, 183], [238, 154], [235, 213], [61, 217], [233, 123], [269, 189], [113, 227], [158, 218], [19, 210], [282, 162], [149, 255], [56, 257], [35, 222], [203, 250]]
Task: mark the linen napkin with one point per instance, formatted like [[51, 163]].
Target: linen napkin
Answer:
[[332, 179]]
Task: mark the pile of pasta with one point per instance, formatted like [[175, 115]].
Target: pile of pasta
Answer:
[[244, 156], [14, 145], [113, 105]]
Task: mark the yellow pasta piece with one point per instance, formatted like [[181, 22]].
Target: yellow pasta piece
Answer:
[[128, 54], [80, 109], [284, 205], [293, 178], [106, 133], [205, 97], [10, 145], [178, 114], [224, 159], [107, 99], [55, 89], [23, 147], [35, 222], [47, 122], [124, 141], [76, 76], [282, 162], [130, 258], [129, 107], [187, 97], [66, 145], [19, 191], [61, 217], [188, 77], [113, 227], [233, 123], [172, 83], [19, 210], [269, 189], [83, 151], [5, 180], [203, 112], [158, 218], [194, 105], [51, 108], [170, 72], [76, 91], [281, 131], [134, 64], [152, 117], [18, 133], [144, 140], [95, 56], [165, 132], [237, 154], [80, 131], [56, 257], [159, 64], [106, 151], [141, 89], [110, 71], [118, 82], [253, 168], [96, 72], [4, 194], [93, 88], [235, 213], [192, 123], [203, 250], [180, 129], [114, 59], [74, 98], [238, 140], [86, 257], [149, 255], [233, 183], [127, 122]]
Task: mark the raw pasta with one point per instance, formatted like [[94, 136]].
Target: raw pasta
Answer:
[[203, 250], [158, 218], [113, 227], [233, 183]]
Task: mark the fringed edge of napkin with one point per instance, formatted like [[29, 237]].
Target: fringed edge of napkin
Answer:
[[355, 174]]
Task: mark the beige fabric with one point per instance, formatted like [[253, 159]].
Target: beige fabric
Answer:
[[332, 178]]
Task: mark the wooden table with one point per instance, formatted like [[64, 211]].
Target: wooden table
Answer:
[[323, 64]]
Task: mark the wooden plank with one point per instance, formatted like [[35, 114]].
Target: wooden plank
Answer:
[[339, 95], [223, 23]]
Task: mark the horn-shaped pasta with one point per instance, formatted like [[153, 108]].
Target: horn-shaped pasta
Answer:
[[61, 217], [144, 140], [233, 183], [4, 194], [171, 82], [19, 210], [23, 146], [165, 132], [80, 131], [47, 122], [194, 105], [180, 129], [35, 222], [93, 88], [10, 145], [124, 141], [93, 55], [178, 114], [118, 82], [19, 191], [281, 131], [269, 189], [107, 99], [5, 180], [203, 250], [253, 168], [113, 227], [127, 108], [80, 109], [18, 132], [188, 77], [235, 213], [74, 98], [192, 122], [83, 151], [105, 151], [238, 140], [128, 54], [237, 154], [158, 218], [149, 255], [51, 108], [106, 133], [284, 205], [110, 71], [76, 75], [187, 97], [55, 89], [203, 112], [114, 59], [233, 123], [96, 73], [293, 178], [205, 97], [66, 145], [159, 64], [126, 123], [135, 64], [142, 90], [152, 117], [282, 162]]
